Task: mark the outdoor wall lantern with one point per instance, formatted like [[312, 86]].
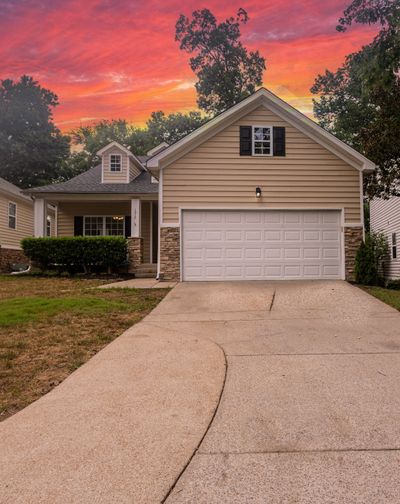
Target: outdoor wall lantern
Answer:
[[258, 192]]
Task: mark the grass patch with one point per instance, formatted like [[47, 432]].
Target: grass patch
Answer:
[[388, 296], [51, 326], [29, 309]]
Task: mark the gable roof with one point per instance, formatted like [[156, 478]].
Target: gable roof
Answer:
[[89, 182], [13, 190], [281, 108], [123, 149]]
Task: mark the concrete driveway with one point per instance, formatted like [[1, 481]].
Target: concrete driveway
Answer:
[[251, 392], [310, 411]]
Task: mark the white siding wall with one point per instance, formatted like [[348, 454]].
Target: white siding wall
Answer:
[[385, 217]]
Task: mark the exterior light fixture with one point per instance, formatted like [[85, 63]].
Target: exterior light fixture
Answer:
[[258, 192]]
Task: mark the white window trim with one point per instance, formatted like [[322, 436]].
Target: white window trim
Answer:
[[271, 151], [9, 215], [120, 163], [104, 224]]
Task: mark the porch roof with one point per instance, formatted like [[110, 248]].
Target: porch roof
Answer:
[[90, 182]]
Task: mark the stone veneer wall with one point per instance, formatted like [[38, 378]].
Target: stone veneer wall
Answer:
[[135, 253], [170, 266], [9, 257], [353, 237]]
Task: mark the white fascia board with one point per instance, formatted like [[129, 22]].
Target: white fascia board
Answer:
[[281, 108]]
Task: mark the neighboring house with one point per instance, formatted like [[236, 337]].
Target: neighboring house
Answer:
[[258, 192], [385, 217], [16, 222]]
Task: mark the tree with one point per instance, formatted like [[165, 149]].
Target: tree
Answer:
[[171, 128], [159, 128], [360, 102], [226, 71], [32, 148]]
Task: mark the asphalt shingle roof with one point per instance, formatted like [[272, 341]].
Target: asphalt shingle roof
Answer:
[[90, 182], [12, 189]]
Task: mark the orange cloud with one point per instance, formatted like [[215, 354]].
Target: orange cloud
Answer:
[[119, 59]]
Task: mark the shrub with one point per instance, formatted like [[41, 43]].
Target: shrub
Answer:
[[369, 267], [78, 253]]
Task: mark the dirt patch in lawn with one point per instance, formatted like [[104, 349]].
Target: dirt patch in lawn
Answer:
[[49, 327]]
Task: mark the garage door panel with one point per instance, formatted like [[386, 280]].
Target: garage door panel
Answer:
[[256, 245]]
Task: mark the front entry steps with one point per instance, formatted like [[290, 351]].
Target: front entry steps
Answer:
[[146, 270]]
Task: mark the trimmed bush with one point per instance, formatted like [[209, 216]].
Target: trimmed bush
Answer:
[[77, 253], [369, 267]]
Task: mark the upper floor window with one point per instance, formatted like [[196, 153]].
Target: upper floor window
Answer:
[[394, 246], [262, 141], [115, 162], [12, 215]]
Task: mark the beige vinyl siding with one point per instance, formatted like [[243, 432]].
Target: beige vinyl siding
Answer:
[[67, 211], [133, 170], [385, 217], [110, 177], [215, 175], [12, 237], [145, 229]]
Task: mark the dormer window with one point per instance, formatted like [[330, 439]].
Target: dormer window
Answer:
[[115, 162], [262, 141]]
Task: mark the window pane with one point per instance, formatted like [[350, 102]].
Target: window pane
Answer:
[[12, 222], [93, 226], [262, 140], [114, 226], [12, 209], [115, 162]]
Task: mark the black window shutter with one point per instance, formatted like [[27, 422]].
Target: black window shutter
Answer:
[[127, 226], [279, 135], [245, 140], [78, 226]]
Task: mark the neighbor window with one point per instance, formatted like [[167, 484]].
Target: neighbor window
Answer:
[[109, 225], [115, 162], [394, 246], [12, 215], [48, 226], [262, 141]]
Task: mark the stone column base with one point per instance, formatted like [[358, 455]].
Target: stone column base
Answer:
[[353, 236], [135, 253], [170, 254]]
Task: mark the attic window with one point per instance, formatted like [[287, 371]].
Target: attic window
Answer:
[[262, 141], [115, 162]]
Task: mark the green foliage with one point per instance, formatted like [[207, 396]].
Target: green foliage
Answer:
[[77, 253], [171, 128], [360, 101], [370, 259], [31, 147], [159, 128], [226, 71]]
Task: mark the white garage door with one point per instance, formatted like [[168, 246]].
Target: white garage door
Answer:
[[261, 245]]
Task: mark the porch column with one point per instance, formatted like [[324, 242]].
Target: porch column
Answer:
[[40, 217], [135, 218]]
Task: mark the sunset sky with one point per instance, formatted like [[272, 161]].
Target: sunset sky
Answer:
[[118, 58]]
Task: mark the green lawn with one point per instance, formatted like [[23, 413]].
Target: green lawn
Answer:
[[51, 326], [388, 296]]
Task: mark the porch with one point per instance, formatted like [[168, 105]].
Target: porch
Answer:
[[134, 218]]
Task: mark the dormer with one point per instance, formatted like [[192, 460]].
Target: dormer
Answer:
[[118, 164]]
